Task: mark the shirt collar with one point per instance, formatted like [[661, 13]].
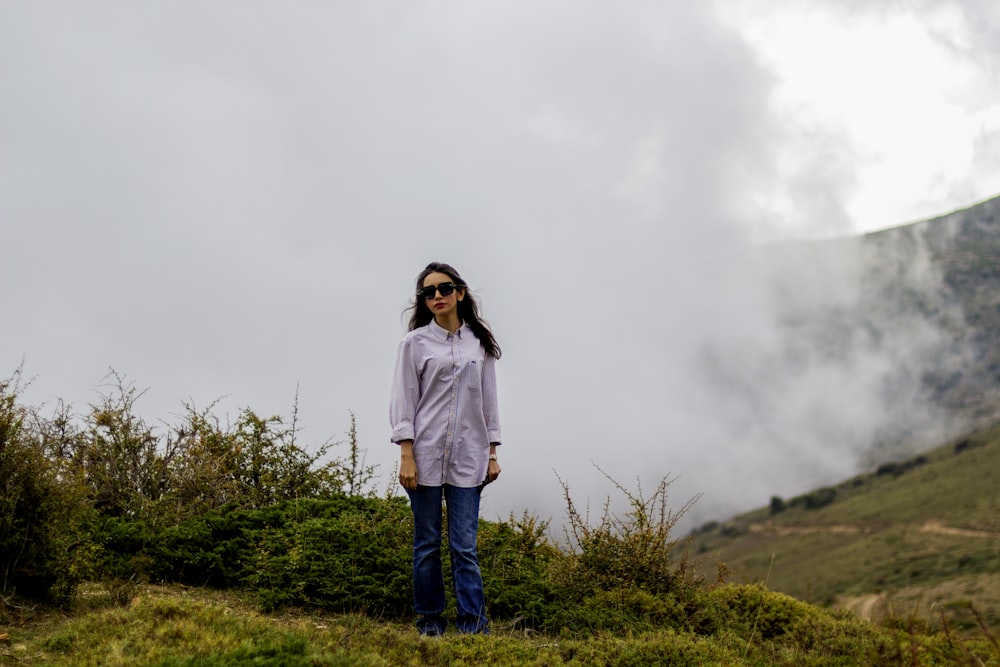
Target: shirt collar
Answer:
[[442, 333]]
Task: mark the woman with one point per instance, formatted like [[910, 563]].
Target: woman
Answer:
[[444, 419]]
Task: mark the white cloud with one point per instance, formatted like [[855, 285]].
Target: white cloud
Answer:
[[881, 104]]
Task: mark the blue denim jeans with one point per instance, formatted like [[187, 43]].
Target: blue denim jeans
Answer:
[[428, 579]]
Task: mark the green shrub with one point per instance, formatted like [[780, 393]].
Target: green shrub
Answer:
[[707, 527], [339, 554], [124, 547], [211, 550], [105, 495], [515, 557], [891, 468], [199, 465], [774, 624], [631, 564], [44, 551], [736, 529], [820, 498], [754, 608], [353, 554], [120, 459], [622, 610]]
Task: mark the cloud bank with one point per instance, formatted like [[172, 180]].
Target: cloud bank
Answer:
[[233, 199]]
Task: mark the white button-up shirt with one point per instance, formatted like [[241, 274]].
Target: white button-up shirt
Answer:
[[444, 398]]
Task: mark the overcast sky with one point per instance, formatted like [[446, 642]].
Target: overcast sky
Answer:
[[232, 199]]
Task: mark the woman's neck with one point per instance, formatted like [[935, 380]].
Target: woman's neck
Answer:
[[449, 322]]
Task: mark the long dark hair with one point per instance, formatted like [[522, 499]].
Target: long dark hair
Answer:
[[468, 310]]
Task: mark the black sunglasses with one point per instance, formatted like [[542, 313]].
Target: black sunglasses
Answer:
[[445, 288]]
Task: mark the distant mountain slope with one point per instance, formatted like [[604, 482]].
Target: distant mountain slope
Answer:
[[965, 247], [913, 535], [916, 308]]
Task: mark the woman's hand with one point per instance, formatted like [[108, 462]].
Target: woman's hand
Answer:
[[492, 472], [407, 466], [493, 469]]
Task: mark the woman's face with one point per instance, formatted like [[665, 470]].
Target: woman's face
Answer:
[[442, 306]]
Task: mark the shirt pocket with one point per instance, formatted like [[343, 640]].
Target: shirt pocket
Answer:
[[473, 373]]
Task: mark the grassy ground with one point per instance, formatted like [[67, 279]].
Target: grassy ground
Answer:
[[173, 626], [925, 537]]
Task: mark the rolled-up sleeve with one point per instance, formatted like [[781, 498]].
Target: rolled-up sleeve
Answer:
[[491, 412], [405, 393]]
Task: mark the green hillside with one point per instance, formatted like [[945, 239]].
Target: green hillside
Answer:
[[916, 537]]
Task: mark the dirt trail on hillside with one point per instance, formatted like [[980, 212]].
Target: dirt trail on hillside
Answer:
[[929, 526], [935, 526], [867, 607], [804, 530]]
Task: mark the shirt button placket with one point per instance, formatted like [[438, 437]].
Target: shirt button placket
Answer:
[[452, 415], [450, 435]]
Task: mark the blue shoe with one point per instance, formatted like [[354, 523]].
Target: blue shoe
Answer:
[[431, 625], [472, 627]]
